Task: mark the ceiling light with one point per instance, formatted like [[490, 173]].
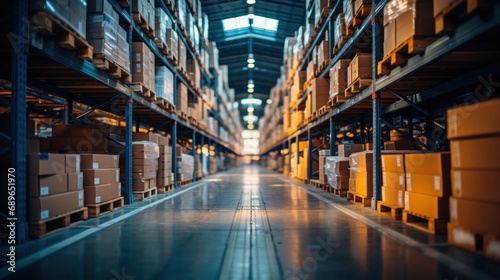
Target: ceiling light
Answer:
[[250, 59], [252, 118], [250, 2], [250, 109], [269, 101], [250, 90], [251, 101], [251, 65], [250, 84], [250, 126]]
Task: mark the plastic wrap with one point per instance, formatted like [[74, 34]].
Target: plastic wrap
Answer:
[[339, 28], [162, 23], [397, 7], [182, 54], [348, 11], [180, 6], [185, 167], [164, 81], [149, 149], [331, 169]]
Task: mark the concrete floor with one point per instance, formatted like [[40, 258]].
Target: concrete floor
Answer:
[[247, 223]]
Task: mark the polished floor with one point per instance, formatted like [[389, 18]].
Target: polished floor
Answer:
[[246, 223]]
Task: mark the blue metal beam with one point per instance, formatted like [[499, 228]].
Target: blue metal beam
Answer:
[[377, 141], [193, 153], [332, 137]]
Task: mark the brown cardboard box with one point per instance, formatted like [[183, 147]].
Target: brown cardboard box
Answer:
[[163, 140], [139, 136], [75, 181], [476, 184], [165, 165], [463, 121], [364, 183], [319, 93], [440, 5], [163, 149], [46, 164], [87, 131], [162, 173], [97, 161], [361, 66], [47, 185], [163, 182], [61, 145], [352, 185], [88, 145], [362, 160], [394, 180], [102, 193], [32, 146], [476, 153], [153, 183], [144, 161], [359, 3], [342, 167], [345, 150], [393, 163], [140, 185], [426, 205], [435, 185], [144, 168], [428, 163], [479, 216], [338, 77], [93, 177], [389, 37], [342, 182], [72, 163], [393, 196], [47, 207], [143, 175], [416, 22], [399, 145]]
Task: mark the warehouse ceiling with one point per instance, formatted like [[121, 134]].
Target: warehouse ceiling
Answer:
[[267, 47]]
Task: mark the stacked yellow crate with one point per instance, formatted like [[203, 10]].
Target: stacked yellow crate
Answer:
[[474, 132], [393, 185]]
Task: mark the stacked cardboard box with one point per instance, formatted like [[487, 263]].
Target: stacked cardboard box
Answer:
[[193, 111], [164, 83], [185, 166], [146, 8], [393, 180], [345, 150], [55, 185], [193, 70], [83, 138], [428, 185], [474, 134], [72, 13], [338, 78], [145, 154], [172, 41], [337, 172], [101, 178], [319, 6], [322, 53], [106, 35], [182, 98], [339, 30], [318, 94], [399, 141], [213, 56], [361, 173], [164, 175], [181, 8], [404, 19], [162, 23], [143, 62], [213, 165], [181, 54], [311, 68], [360, 67], [323, 179], [198, 172]]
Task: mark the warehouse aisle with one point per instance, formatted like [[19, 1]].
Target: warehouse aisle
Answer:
[[248, 223]]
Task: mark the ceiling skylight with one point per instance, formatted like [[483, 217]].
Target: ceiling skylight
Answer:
[[241, 22]]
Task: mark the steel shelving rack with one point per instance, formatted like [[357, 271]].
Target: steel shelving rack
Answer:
[[42, 69], [457, 68]]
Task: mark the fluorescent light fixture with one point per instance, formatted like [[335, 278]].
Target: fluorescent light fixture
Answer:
[[251, 65], [251, 101], [250, 126], [269, 101], [250, 84], [253, 118], [251, 16], [267, 24], [250, 90], [250, 2], [250, 59], [241, 22], [250, 109]]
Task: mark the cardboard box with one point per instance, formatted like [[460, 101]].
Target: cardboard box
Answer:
[[389, 37], [428, 163], [364, 183], [47, 185], [361, 66], [32, 146], [463, 121], [93, 177], [72, 163], [441, 5], [144, 161], [98, 161], [102, 193], [143, 175], [393, 163], [393, 196], [46, 164], [399, 145], [139, 136], [163, 182], [479, 216], [476, 153], [416, 22], [87, 145], [153, 183], [345, 150], [319, 93], [342, 182], [394, 180], [476, 184], [426, 205], [140, 185], [338, 77], [75, 181], [85, 131], [362, 160], [51, 206], [144, 168], [435, 185]]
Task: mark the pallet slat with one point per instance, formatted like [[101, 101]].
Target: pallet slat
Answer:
[[165, 189], [43, 228], [359, 199], [96, 210], [395, 212], [430, 225], [402, 53], [143, 195]]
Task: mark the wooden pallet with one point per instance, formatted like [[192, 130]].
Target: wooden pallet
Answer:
[[321, 67], [48, 24], [315, 183], [164, 189], [359, 200], [473, 241], [182, 115], [185, 182], [96, 210], [199, 178], [46, 227], [143, 24], [401, 54], [144, 91], [337, 100], [324, 14], [395, 212], [457, 12], [323, 110], [165, 104], [340, 42], [358, 18], [162, 46], [357, 86], [430, 225], [114, 70], [124, 3], [340, 193], [143, 195]]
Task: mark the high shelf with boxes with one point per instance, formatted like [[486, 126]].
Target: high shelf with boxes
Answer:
[[86, 69], [395, 71]]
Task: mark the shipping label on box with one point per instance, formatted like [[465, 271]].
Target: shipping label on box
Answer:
[[476, 184], [47, 185]]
